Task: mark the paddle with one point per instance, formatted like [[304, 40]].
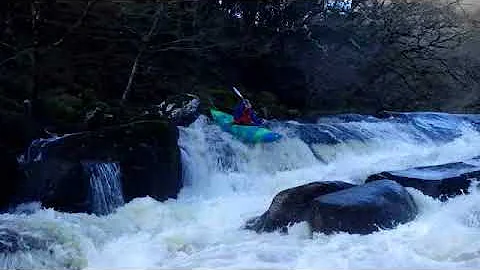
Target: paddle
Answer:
[[235, 90]]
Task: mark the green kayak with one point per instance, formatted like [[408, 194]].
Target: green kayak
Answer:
[[249, 134]]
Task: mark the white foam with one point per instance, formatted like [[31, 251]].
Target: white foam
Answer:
[[229, 182]]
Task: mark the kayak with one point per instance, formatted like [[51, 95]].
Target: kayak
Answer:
[[249, 134]]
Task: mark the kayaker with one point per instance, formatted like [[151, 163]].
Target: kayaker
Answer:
[[243, 114]]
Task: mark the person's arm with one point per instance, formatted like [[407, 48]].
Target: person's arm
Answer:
[[257, 120]]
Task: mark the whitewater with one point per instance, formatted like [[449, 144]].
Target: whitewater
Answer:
[[227, 182]]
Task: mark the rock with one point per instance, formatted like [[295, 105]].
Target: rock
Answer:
[[11, 175], [18, 131], [290, 206], [363, 209], [328, 132], [55, 182], [315, 134], [440, 127], [441, 181], [146, 151], [181, 110]]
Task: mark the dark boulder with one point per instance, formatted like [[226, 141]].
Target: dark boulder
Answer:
[[441, 181], [363, 209], [18, 130], [55, 182], [146, 151], [291, 206], [11, 176]]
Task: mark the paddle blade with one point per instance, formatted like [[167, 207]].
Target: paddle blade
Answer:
[[235, 90]]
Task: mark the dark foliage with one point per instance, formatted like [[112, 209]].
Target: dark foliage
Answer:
[[291, 57]]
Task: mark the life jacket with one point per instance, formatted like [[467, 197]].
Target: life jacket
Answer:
[[245, 118]]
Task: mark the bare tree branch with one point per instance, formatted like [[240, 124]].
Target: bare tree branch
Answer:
[[35, 14], [8, 46], [145, 40], [77, 24], [18, 54]]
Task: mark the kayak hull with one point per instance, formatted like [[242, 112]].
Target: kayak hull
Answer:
[[250, 134]]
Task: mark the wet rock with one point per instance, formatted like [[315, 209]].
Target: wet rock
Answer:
[[363, 209], [181, 110], [291, 206], [11, 176], [18, 130], [55, 182], [441, 181], [146, 151]]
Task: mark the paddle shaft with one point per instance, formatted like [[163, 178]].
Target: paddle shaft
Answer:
[[235, 90]]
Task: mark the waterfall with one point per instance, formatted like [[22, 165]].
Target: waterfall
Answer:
[[227, 182], [105, 186]]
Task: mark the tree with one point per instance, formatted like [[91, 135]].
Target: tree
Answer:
[[398, 54], [144, 43]]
